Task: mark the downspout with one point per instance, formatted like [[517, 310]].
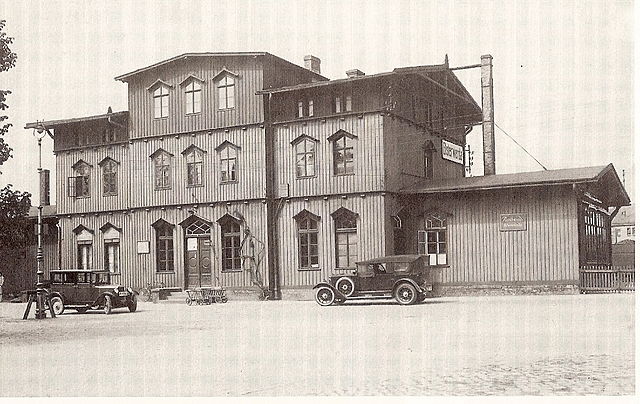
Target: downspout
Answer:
[[272, 211], [59, 245]]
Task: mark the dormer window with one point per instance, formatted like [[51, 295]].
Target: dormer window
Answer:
[[226, 92], [305, 108], [193, 96], [161, 102], [342, 103]]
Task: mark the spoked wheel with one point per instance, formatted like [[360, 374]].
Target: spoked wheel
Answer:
[[188, 301], [406, 293], [325, 296], [345, 286], [57, 305], [107, 305], [133, 304]]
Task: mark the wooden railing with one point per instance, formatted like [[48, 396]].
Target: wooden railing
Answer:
[[607, 279]]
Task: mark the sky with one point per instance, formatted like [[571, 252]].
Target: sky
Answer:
[[563, 70]]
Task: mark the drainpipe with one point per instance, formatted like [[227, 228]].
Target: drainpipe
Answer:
[[272, 210]]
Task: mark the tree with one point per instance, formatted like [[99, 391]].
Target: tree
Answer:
[[14, 205]]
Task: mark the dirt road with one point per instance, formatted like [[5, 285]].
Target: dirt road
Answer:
[[450, 346]]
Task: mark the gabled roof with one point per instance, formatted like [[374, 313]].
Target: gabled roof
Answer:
[[126, 76], [191, 77], [192, 147], [625, 217], [224, 71], [302, 137], [158, 151], [159, 83], [601, 178], [107, 159]]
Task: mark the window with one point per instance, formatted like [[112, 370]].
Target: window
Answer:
[[108, 135], [429, 150], [164, 246], [230, 245], [109, 177], [194, 167], [343, 162], [305, 158], [342, 103], [631, 231], [162, 169], [228, 163], [161, 102], [305, 108], [79, 186], [226, 92], [433, 240], [595, 239], [193, 95], [307, 240], [85, 255], [112, 255], [346, 238]]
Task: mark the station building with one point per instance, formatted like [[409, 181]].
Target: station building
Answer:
[[220, 148]]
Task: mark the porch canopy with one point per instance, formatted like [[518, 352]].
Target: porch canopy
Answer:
[[599, 182]]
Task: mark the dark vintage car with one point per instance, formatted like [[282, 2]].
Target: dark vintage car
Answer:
[[407, 278], [82, 290]]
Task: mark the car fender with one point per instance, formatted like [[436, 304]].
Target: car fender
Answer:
[[100, 299], [337, 293], [419, 288]]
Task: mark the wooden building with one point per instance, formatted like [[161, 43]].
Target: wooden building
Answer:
[[224, 156]]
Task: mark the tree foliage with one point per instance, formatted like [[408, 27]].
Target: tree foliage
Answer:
[[14, 205]]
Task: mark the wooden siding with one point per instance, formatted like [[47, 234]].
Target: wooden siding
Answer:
[[139, 269], [478, 252], [96, 201], [250, 169], [368, 154], [371, 236], [404, 145], [248, 106]]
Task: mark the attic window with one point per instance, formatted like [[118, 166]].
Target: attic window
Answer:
[[193, 95], [226, 92]]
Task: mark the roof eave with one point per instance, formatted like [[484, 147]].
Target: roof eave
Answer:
[[53, 123]]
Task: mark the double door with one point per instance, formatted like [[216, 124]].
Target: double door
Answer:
[[198, 262]]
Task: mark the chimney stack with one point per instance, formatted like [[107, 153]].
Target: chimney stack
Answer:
[[488, 125], [312, 63], [354, 73], [45, 199]]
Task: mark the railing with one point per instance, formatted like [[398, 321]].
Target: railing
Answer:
[[607, 279]]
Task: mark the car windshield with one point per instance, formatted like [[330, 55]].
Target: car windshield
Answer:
[[101, 278]]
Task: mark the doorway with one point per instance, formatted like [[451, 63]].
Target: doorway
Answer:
[[198, 255]]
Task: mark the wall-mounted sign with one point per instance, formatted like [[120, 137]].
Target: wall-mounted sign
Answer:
[[143, 247], [513, 222], [452, 152], [192, 244]]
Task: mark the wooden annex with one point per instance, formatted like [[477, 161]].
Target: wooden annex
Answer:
[[228, 162]]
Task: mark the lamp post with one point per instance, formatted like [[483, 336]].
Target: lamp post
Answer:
[[39, 133]]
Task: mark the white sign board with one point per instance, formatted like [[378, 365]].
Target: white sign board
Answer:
[[143, 247], [452, 152]]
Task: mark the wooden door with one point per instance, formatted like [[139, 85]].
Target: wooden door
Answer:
[[198, 262]]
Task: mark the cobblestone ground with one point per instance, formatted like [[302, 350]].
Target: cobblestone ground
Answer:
[[507, 345]]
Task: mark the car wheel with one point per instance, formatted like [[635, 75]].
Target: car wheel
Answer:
[[57, 305], [107, 304], [406, 293], [82, 309], [325, 296], [345, 286], [133, 304]]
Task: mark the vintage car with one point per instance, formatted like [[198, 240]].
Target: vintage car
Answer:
[[82, 290], [407, 278]]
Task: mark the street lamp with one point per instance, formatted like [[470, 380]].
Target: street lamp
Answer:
[[41, 295]]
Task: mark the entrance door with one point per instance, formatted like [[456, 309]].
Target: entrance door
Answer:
[[198, 262]]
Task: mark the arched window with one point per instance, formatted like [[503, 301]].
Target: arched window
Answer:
[[308, 257], [432, 241], [346, 229], [305, 148], [109, 177], [164, 246], [343, 159], [193, 96], [161, 102], [79, 185], [162, 169], [226, 92], [194, 156], [231, 239], [228, 163]]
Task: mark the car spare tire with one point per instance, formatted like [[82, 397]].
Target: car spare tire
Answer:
[[325, 296], [345, 286]]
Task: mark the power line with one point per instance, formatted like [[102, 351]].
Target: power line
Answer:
[[525, 150]]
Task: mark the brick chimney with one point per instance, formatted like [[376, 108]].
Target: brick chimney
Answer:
[[312, 63], [354, 73], [488, 125]]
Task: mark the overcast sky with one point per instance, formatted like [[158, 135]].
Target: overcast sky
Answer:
[[563, 71]]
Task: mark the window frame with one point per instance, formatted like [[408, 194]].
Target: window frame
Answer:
[[307, 232], [351, 235], [112, 243], [88, 246], [81, 181], [347, 145], [161, 100], [435, 235], [235, 238], [191, 93], [165, 248], [198, 164], [229, 90], [225, 164], [162, 166], [307, 153], [109, 177]]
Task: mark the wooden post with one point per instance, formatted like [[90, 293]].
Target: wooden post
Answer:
[[488, 124]]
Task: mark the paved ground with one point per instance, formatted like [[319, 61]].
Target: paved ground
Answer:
[[539, 345]]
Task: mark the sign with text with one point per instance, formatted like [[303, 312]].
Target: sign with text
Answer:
[[513, 222], [143, 247], [452, 152]]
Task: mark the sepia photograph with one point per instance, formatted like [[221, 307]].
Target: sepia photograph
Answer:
[[317, 199]]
